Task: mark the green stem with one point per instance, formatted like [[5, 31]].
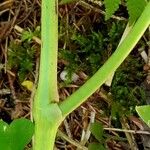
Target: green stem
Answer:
[[46, 113], [77, 98], [47, 121], [48, 133], [47, 86]]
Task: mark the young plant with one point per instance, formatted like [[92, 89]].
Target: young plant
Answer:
[[48, 112]]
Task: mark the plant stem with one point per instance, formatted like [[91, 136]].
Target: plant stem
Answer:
[[47, 121], [49, 136], [46, 113], [47, 86], [77, 98]]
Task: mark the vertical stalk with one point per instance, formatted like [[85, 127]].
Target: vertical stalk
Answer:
[[47, 86], [46, 113], [47, 121]]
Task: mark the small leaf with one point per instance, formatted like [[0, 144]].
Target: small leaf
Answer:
[[135, 8], [21, 130], [4, 136], [111, 6], [16, 135], [97, 130], [144, 113], [27, 84], [96, 146]]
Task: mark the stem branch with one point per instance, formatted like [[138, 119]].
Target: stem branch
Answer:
[[80, 96]]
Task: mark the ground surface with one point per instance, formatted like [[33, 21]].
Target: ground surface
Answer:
[[86, 41]]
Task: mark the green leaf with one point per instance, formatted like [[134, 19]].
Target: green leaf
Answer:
[[144, 113], [97, 130], [135, 8], [22, 130], [96, 146], [110, 7], [16, 135], [4, 136]]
